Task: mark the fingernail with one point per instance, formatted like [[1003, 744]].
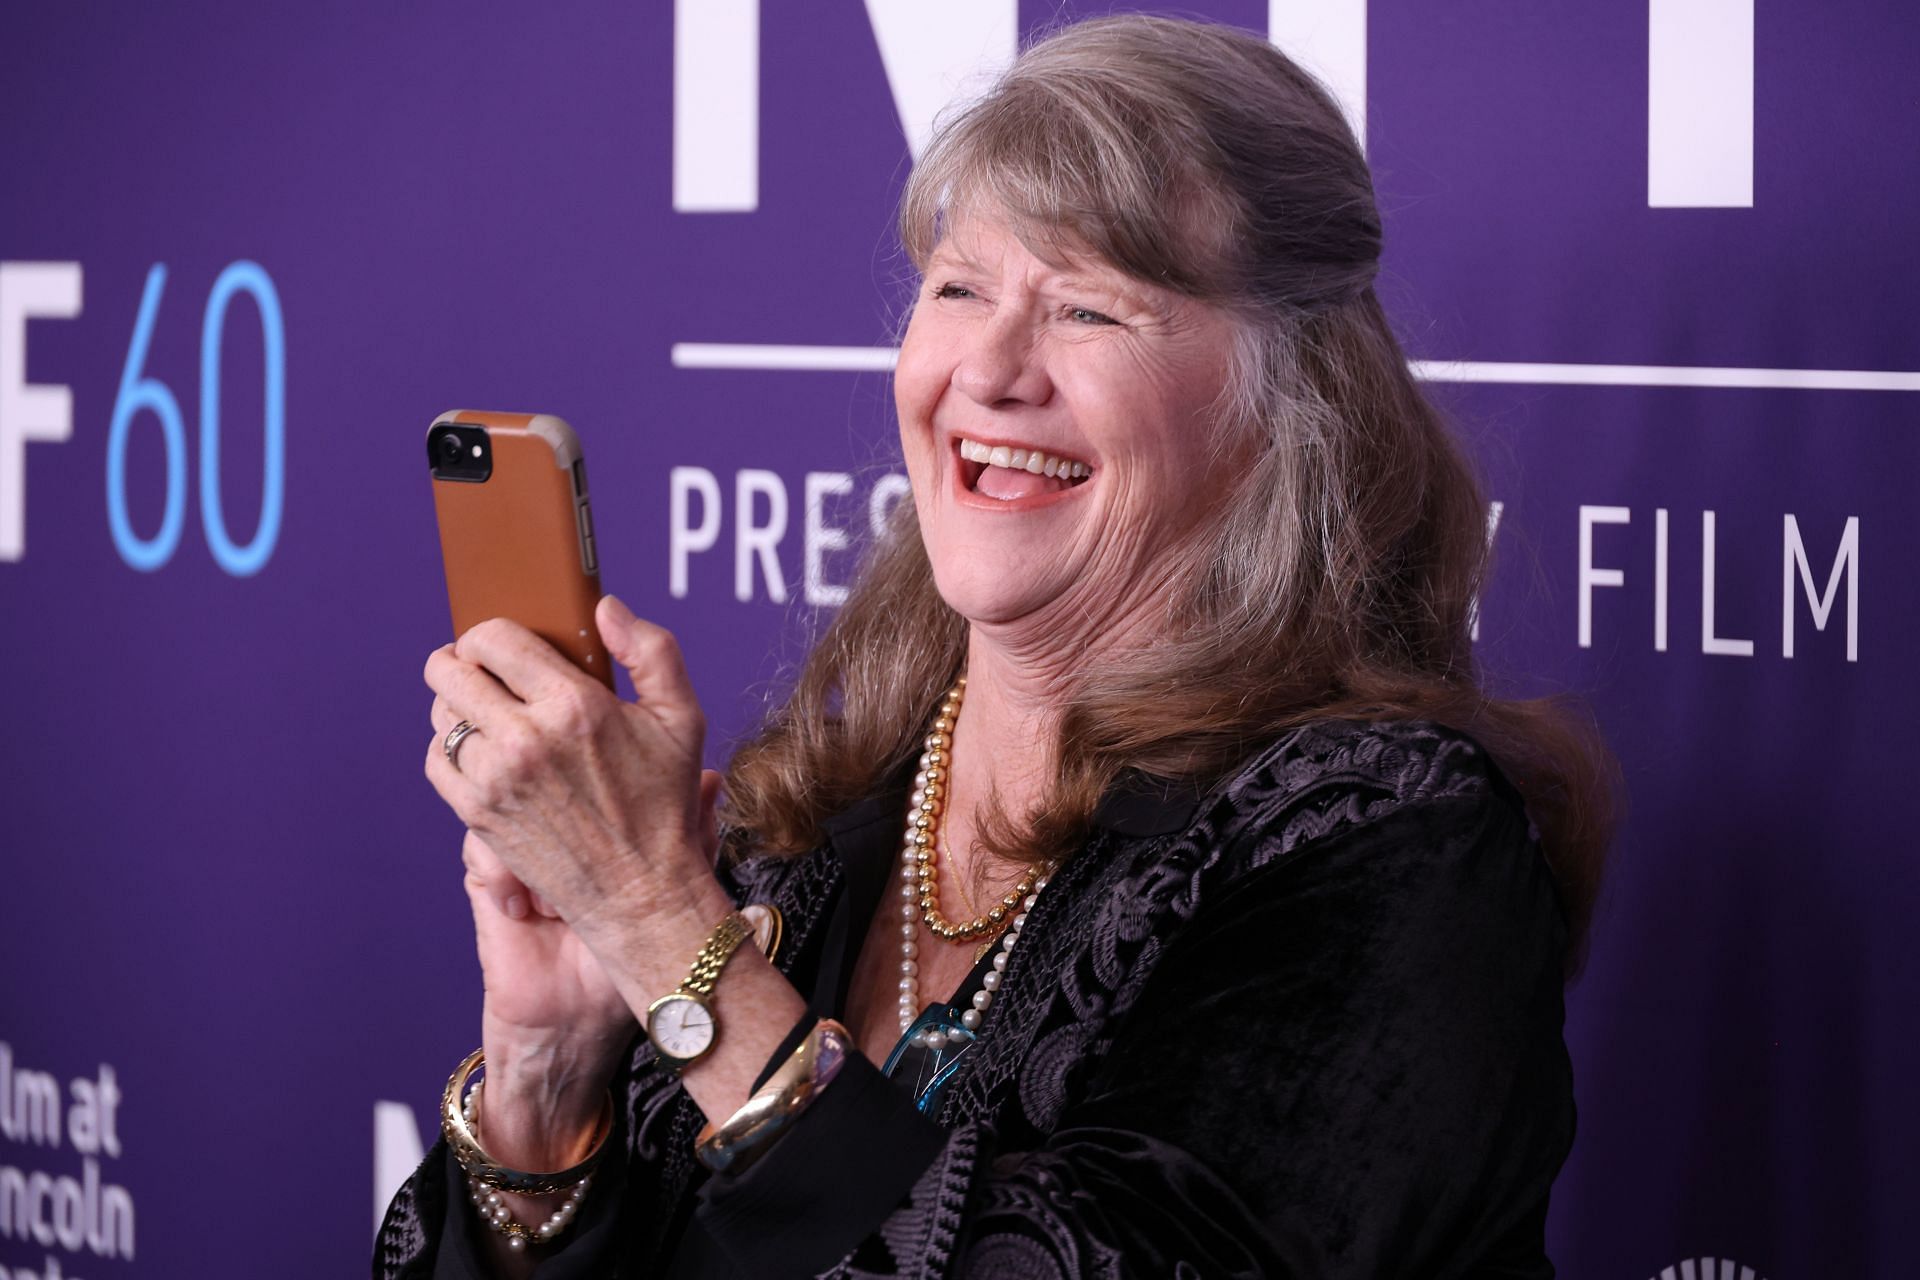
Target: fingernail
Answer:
[[618, 607], [517, 907]]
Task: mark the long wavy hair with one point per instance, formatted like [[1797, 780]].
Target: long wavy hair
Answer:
[[1339, 574]]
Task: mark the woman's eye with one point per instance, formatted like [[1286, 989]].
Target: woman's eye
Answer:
[[952, 291], [1087, 315]]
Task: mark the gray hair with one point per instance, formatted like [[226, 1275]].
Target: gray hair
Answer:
[[1339, 572], [1196, 157]]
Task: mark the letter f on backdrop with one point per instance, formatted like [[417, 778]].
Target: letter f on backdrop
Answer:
[[49, 291]]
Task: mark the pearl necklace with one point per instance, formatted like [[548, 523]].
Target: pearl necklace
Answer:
[[919, 883]]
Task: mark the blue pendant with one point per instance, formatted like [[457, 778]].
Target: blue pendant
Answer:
[[928, 1054]]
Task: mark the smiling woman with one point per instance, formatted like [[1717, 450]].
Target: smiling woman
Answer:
[[1144, 882], [1008, 356]]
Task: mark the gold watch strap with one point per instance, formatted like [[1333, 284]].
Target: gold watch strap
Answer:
[[715, 952]]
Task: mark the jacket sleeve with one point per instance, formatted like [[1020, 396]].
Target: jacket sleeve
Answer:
[[1348, 1063], [431, 1232]]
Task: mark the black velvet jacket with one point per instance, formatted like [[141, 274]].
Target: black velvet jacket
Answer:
[[1305, 1025]]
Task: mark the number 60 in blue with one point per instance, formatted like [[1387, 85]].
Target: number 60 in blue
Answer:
[[138, 392]]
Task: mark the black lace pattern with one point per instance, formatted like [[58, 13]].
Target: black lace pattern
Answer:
[[1058, 1162]]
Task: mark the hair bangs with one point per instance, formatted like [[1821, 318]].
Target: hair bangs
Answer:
[[1076, 168]]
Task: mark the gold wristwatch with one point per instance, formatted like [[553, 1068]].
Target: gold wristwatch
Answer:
[[680, 1024]]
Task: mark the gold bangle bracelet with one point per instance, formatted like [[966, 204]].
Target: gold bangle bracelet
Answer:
[[473, 1158], [748, 1132]]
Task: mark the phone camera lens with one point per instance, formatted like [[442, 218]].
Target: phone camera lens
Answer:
[[459, 451]]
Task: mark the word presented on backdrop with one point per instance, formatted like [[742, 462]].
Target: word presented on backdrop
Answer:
[[45, 1203], [1819, 574], [696, 510]]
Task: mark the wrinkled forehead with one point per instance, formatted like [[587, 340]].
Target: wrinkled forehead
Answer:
[[979, 231], [1172, 243]]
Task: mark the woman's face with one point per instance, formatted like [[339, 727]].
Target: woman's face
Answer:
[[1057, 425]]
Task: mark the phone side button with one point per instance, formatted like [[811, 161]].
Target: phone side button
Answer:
[[589, 557]]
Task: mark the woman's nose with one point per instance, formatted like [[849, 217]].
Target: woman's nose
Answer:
[[1001, 364]]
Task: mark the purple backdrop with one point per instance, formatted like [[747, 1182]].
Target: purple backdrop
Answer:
[[232, 935]]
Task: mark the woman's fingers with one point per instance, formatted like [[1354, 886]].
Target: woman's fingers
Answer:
[[648, 652], [652, 658], [510, 897], [469, 692], [448, 777], [528, 667], [565, 781]]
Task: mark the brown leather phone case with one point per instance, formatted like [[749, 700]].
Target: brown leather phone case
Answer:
[[518, 543]]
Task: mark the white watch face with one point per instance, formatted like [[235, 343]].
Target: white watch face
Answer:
[[680, 1026]]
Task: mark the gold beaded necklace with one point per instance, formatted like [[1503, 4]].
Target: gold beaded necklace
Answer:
[[923, 836], [920, 885]]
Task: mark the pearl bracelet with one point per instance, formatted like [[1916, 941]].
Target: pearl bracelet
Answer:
[[458, 1128], [487, 1178], [492, 1207]]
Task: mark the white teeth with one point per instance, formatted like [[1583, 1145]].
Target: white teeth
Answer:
[[1032, 461]]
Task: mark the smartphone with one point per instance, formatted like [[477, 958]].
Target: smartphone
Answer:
[[516, 531]]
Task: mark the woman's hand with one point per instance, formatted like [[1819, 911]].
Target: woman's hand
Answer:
[[590, 867], [579, 808], [594, 805], [542, 984], [553, 1024]]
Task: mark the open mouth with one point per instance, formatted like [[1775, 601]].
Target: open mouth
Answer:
[[1009, 474]]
